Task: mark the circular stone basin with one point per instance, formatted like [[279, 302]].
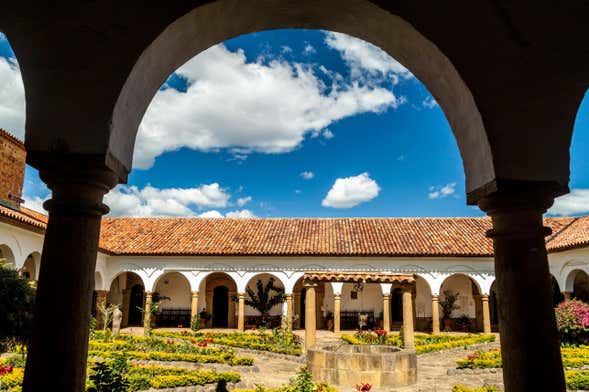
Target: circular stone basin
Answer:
[[347, 365]]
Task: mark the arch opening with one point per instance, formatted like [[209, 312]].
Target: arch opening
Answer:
[[127, 291], [264, 301], [219, 309], [467, 314], [172, 289], [360, 19]]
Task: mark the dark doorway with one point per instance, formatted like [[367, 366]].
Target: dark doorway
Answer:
[[302, 315], [397, 305], [135, 305], [221, 307]]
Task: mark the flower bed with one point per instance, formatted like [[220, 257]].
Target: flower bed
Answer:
[[572, 357], [423, 343], [140, 377], [142, 348], [301, 382], [278, 341], [462, 388]]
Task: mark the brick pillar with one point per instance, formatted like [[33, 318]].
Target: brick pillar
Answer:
[[100, 304], [435, 315], [337, 304], [524, 286], [241, 312], [386, 312], [408, 339], [289, 311], [310, 315]]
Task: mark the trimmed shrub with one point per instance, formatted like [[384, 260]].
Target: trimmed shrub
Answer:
[[572, 319]]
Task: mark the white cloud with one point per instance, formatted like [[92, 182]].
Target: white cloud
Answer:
[[211, 214], [363, 57], [576, 202], [307, 175], [243, 200], [350, 191], [438, 192], [309, 49], [327, 134], [240, 214], [429, 102], [12, 98], [255, 107], [150, 201], [35, 203]]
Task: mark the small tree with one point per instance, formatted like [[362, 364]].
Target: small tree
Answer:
[[17, 298], [265, 297], [448, 304], [107, 312]]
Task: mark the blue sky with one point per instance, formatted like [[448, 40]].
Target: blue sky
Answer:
[[292, 123]]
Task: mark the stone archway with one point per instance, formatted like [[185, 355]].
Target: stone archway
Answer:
[[469, 315], [7, 256], [127, 290], [173, 289], [220, 309], [253, 316]]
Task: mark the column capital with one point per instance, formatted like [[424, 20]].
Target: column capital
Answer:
[[386, 295], [288, 295], [337, 296], [241, 295], [517, 208], [484, 297], [310, 284], [435, 297], [78, 185], [194, 293]]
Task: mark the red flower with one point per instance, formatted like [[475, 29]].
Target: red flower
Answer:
[[363, 387], [381, 332]]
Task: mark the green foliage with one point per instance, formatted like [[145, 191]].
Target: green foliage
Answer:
[[572, 357], [302, 382], [448, 304], [572, 320], [462, 388], [577, 380], [280, 340], [423, 343], [263, 299], [105, 377], [17, 298], [195, 322]]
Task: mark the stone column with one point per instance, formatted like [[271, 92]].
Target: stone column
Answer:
[[524, 287], [289, 310], [100, 304], [310, 315], [386, 312], [486, 314], [59, 341], [337, 305], [147, 311], [408, 340], [241, 312], [126, 306], [435, 315], [193, 305]]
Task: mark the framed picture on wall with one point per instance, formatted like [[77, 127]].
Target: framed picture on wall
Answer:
[[353, 295]]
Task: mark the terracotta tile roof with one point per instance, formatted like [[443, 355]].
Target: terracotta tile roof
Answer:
[[305, 236], [370, 277], [25, 217], [574, 235], [297, 237]]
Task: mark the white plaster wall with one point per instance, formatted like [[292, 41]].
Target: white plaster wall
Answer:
[[562, 264], [463, 285], [423, 299], [176, 287], [369, 299], [21, 242]]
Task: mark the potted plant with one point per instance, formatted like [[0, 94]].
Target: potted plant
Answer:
[[449, 305], [204, 316]]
